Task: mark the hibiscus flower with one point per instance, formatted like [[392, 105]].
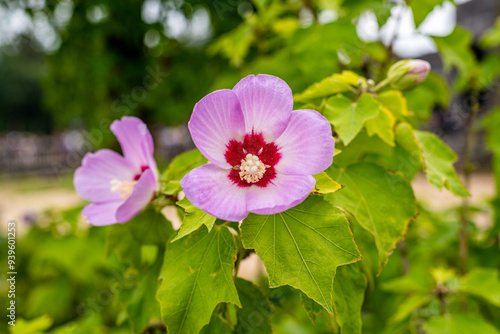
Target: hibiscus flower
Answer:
[[119, 187], [262, 153]]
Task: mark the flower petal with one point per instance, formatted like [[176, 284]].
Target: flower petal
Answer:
[[135, 139], [266, 102], [216, 120], [101, 214], [143, 193], [284, 192], [209, 188], [307, 145], [92, 180]]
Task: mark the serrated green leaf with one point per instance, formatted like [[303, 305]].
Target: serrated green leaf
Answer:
[[348, 295], [303, 246], [439, 159], [382, 126], [193, 219], [459, 324], [253, 317], [195, 277], [408, 306], [312, 308], [325, 184], [395, 101], [484, 283], [383, 203], [178, 168], [348, 117]]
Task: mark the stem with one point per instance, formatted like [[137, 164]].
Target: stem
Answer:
[[467, 169], [380, 85]]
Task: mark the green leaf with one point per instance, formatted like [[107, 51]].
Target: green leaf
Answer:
[[422, 8], [312, 308], [216, 326], [395, 102], [408, 306], [455, 50], [194, 218], [33, 326], [120, 241], [417, 281], [484, 283], [195, 277], [382, 126], [438, 159], [422, 99], [459, 324], [348, 117], [491, 37], [253, 317], [303, 246], [489, 68], [491, 123], [150, 227], [326, 87], [325, 184], [348, 295], [139, 300], [178, 168], [383, 203]]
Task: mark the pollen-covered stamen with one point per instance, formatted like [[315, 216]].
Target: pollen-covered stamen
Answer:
[[124, 187], [251, 168]]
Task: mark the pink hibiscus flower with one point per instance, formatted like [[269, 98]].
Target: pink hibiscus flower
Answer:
[[119, 187], [262, 153]]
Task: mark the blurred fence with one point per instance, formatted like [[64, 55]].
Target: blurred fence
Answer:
[[28, 153]]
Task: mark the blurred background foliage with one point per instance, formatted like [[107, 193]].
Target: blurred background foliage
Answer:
[[79, 64]]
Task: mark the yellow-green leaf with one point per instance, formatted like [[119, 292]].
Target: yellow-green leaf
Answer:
[[348, 117], [325, 184]]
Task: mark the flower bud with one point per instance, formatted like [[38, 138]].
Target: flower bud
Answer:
[[408, 73]]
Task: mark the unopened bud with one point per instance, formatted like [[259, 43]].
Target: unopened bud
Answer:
[[407, 74]]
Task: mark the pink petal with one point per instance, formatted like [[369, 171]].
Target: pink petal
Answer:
[[143, 193], [209, 188], [92, 180], [283, 193], [307, 145], [266, 102], [101, 214], [135, 139], [216, 120]]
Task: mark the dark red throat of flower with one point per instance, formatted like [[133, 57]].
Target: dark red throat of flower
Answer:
[[143, 168], [253, 160]]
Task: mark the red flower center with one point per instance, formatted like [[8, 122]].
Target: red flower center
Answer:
[[253, 160]]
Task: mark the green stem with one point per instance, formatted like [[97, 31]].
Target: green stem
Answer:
[[380, 85]]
